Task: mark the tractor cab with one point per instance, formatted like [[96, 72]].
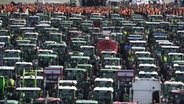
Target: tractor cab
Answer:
[[46, 43], [156, 18], [10, 61], [104, 95], [179, 62], [65, 25], [26, 29], [152, 25], [19, 22], [177, 96], [169, 87], [84, 26], [75, 60], [175, 56], [55, 22], [153, 75], [128, 26], [180, 35], [76, 21], [158, 46], [75, 45], [28, 51], [108, 54], [4, 17], [104, 82], [67, 83], [7, 71], [169, 49], [48, 30], [73, 34], [4, 33], [21, 66], [165, 25], [15, 28], [138, 30], [142, 53], [67, 94], [179, 76], [75, 74], [146, 60], [57, 37], [28, 94], [135, 49], [5, 39], [12, 53], [40, 28], [34, 19], [112, 61], [88, 50], [88, 67], [180, 25], [45, 60], [107, 73], [60, 48], [160, 43], [178, 67], [147, 67], [97, 22], [33, 36], [117, 21]]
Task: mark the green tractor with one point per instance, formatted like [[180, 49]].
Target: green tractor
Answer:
[[67, 94], [60, 49], [75, 60], [104, 82], [2, 88], [45, 60], [28, 51], [27, 95], [33, 36], [75, 74], [108, 73], [104, 95], [169, 88], [21, 66]]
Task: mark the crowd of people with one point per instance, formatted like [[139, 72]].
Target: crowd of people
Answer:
[[126, 10]]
